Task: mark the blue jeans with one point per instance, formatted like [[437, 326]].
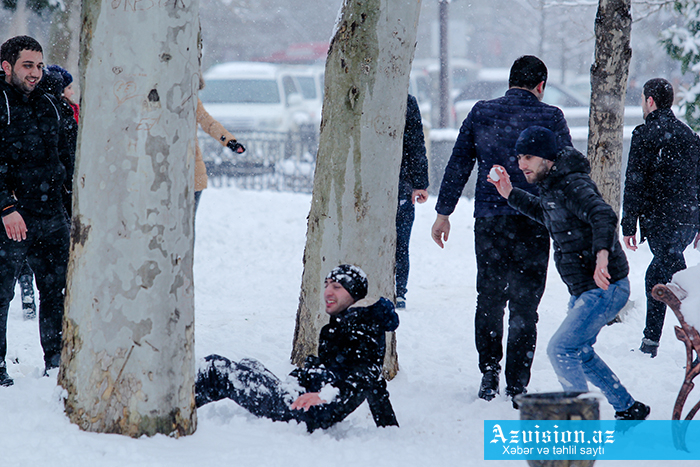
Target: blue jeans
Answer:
[[405, 215], [571, 348]]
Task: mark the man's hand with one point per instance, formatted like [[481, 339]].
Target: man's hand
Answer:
[[697, 240], [15, 228], [503, 184], [235, 146], [306, 401], [631, 242], [601, 275], [441, 229], [420, 196]]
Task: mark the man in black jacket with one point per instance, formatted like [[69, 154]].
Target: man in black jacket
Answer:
[[413, 187], [588, 255], [330, 386], [512, 251], [33, 156], [662, 190]]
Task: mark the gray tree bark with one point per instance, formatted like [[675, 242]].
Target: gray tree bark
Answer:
[[609, 76], [128, 353], [353, 209]]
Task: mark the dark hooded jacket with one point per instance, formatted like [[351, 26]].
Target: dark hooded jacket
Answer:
[[414, 163], [33, 153], [488, 135], [662, 185], [579, 222], [350, 358]]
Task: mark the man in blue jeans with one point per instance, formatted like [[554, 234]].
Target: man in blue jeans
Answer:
[[589, 258]]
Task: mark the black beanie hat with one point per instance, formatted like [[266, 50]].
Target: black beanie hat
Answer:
[[537, 141], [352, 278]]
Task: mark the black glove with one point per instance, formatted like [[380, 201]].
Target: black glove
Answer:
[[235, 146]]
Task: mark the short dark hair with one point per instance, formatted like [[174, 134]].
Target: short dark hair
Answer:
[[661, 91], [527, 72], [10, 50]]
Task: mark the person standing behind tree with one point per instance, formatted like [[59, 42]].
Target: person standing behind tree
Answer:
[[33, 160], [413, 187], [662, 190], [512, 251], [217, 131], [55, 81]]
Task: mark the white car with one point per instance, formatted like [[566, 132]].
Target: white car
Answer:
[[253, 96]]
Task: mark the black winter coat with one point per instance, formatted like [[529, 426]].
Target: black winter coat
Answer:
[[488, 135], [662, 186], [579, 222], [350, 358], [33, 153], [414, 163]]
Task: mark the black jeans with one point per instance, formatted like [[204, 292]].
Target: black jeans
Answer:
[[46, 252], [256, 389], [667, 248], [405, 214], [512, 253]]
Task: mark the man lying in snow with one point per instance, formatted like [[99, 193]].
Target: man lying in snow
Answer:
[[329, 387]]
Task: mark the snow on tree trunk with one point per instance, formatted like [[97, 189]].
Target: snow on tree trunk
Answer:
[[353, 209], [608, 88], [128, 353]]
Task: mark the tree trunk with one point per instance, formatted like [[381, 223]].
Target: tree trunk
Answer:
[[608, 88], [128, 353], [353, 209]]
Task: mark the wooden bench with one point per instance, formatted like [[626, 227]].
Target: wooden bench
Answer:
[[691, 338]]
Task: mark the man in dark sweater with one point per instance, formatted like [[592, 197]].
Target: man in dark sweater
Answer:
[[662, 190], [330, 386], [33, 178], [588, 255], [512, 251]]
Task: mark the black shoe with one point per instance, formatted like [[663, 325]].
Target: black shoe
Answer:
[[638, 411], [512, 391], [649, 347], [5, 379], [400, 302], [489, 385]]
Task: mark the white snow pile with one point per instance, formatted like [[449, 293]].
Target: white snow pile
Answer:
[[688, 280]]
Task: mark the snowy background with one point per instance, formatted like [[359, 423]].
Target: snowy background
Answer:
[[248, 273]]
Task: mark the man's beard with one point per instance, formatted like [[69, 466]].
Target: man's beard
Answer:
[[19, 84]]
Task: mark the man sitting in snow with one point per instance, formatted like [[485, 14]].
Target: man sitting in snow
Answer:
[[329, 387], [588, 255]]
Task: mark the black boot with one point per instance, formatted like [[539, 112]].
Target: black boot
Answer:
[[638, 411], [5, 379], [489, 385]]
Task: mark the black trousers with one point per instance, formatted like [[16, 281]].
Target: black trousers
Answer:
[[405, 215], [667, 248], [512, 253], [46, 252], [256, 389]]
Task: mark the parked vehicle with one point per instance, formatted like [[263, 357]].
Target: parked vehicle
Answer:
[[250, 96]]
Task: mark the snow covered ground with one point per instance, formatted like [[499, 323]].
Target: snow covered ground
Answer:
[[247, 273]]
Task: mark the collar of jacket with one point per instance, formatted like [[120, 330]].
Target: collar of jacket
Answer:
[[521, 93], [569, 160], [659, 113]]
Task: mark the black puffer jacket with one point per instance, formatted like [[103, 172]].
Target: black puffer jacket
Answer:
[[350, 358], [33, 152], [662, 185], [414, 163], [578, 220]]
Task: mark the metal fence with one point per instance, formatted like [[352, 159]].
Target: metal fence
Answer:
[[272, 160]]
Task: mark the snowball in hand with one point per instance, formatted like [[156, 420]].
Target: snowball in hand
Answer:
[[494, 174]]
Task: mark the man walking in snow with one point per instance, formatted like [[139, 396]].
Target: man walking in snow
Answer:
[[512, 251], [33, 157], [662, 190], [588, 255], [328, 388], [413, 187]]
